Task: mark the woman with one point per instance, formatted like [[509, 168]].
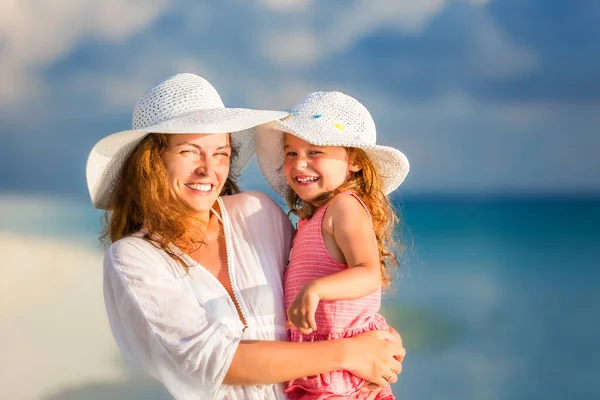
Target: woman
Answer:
[[193, 281]]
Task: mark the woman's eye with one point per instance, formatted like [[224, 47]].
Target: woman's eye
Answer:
[[222, 154], [190, 153]]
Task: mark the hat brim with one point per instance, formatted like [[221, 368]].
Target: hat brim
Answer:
[[391, 163], [108, 155]]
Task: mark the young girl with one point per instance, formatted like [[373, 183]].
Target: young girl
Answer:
[[323, 160]]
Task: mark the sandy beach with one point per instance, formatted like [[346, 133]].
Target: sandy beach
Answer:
[[56, 342]]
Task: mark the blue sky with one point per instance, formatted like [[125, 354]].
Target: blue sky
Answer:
[[484, 96]]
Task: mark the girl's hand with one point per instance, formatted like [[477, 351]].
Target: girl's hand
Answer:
[[301, 312], [375, 356]]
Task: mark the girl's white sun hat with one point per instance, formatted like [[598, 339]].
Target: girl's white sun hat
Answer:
[[183, 103], [327, 119]]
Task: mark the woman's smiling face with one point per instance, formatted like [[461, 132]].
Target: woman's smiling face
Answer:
[[197, 168]]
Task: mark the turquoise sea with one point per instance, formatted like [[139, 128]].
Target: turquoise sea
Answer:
[[500, 300], [496, 299]]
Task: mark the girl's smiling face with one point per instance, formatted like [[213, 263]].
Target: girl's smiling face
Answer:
[[312, 171]]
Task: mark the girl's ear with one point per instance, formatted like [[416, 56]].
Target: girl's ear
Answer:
[[355, 167]]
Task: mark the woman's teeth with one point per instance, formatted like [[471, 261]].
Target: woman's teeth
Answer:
[[202, 187]]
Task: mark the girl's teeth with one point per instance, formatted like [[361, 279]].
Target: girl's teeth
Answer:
[[202, 187], [306, 180]]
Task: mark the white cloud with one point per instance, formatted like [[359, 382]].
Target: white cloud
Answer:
[[121, 91], [454, 107], [495, 53], [292, 48], [36, 33], [277, 95], [345, 25], [287, 5], [309, 37]]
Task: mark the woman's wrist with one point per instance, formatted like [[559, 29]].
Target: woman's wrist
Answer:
[[344, 352]]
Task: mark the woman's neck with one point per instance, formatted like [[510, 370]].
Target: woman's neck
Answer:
[[214, 228], [209, 223]]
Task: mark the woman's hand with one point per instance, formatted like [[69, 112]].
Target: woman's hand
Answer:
[[398, 339], [369, 391], [301, 312], [375, 356]]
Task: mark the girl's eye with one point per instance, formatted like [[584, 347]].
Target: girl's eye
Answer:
[[290, 153], [316, 152]]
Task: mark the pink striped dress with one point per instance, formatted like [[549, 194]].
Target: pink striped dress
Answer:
[[310, 260]]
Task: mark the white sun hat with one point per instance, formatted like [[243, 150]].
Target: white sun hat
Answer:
[[328, 119], [183, 103]]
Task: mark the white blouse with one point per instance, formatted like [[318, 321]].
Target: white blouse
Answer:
[[184, 329]]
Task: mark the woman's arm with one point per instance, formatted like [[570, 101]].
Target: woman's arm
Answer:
[[164, 329], [375, 356]]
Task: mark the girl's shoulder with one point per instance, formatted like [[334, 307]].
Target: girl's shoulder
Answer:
[[345, 207], [346, 203]]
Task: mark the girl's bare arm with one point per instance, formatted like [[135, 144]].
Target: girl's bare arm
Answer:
[[350, 225]]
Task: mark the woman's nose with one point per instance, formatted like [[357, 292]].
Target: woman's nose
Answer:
[[204, 166]]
